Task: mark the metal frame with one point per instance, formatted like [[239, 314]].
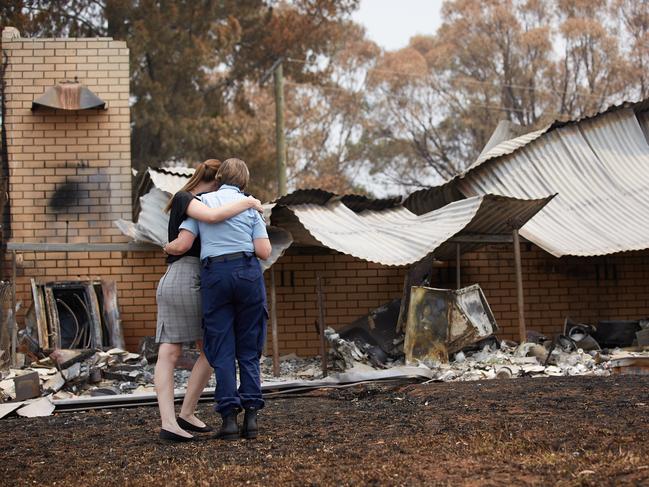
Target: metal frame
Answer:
[[514, 239], [273, 322]]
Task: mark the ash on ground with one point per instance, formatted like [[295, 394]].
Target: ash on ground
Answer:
[[292, 367]]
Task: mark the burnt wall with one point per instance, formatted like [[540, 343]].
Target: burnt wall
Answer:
[[70, 171], [585, 289], [591, 289]]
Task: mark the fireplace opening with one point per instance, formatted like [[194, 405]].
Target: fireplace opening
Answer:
[[76, 322], [75, 315]]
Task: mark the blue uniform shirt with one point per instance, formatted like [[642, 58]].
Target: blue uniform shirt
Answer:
[[232, 235]]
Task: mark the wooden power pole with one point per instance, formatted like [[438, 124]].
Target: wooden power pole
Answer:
[[278, 76], [522, 331]]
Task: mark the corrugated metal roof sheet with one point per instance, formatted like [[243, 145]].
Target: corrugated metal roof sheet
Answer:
[[396, 236], [177, 170], [173, 179], [305, 196], [497, 215], [599, 166], [507, 147], [377, 230], [430, 199], [170, 179], [152, 222], [504, 131], [165, 179], [360, 203], [510, 146], [643, 118], [355, 202]]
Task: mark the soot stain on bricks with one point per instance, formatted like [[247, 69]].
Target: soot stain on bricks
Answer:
[[66, 196]]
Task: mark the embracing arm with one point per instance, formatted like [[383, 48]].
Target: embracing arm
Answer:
[[204, 213], [262, 248], [260, 239], [181, 244]]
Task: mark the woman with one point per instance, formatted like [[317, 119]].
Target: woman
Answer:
[[179, 304], [233, 299]]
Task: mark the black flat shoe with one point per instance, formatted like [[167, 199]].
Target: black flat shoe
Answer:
[[173, 437], [187, 426]]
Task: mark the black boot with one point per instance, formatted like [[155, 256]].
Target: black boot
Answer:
[[229, 429], [249, 429]]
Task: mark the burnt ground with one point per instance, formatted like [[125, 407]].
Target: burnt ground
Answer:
[[543, 431]]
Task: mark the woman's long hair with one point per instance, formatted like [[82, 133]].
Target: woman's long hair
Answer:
[[205, 172]]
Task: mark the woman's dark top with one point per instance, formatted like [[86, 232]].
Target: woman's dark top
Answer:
[[177, 215]]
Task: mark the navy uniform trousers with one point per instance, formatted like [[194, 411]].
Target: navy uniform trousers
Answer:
[[234, 317]]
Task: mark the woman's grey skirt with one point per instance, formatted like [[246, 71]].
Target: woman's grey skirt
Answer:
[[179, 302]]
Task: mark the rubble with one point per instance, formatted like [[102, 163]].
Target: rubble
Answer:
[[642, 336], [630, 363], [451, 332], [54, 383], [616, 333], [27, 386], [66, 374], [375, 334], [582, 336], [148, 348], [365, 350], [66, 358], [346, 354], [8, 408], [503, 361], [40, 407]]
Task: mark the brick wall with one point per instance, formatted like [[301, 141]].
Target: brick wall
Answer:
[[136, 273], [586, 289], [590, 289], [352, 287], [70, 171]]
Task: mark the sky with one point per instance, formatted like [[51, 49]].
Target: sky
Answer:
[[391, 23]]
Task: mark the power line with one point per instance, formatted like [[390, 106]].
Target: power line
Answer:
[[343, 90], [465, 81]]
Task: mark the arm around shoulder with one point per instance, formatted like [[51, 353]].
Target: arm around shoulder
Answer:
[[204, 213]]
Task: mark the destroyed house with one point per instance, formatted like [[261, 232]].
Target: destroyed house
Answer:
[[572, 189], [583, 257]]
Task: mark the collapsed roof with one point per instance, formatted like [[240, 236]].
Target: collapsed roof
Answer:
[[396, 236], [599, 168], [596, 166], [377, 230]]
